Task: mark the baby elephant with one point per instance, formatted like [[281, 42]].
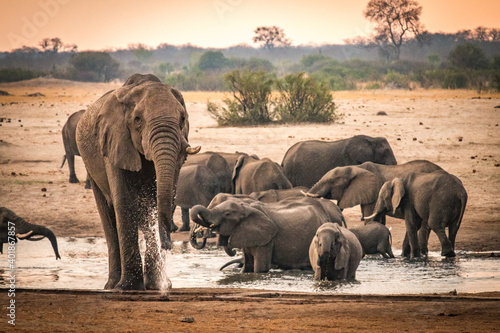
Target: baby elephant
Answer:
[[374, 238], [335, 253]]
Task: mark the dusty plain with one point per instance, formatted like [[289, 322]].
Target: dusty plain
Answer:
[[458, 130]]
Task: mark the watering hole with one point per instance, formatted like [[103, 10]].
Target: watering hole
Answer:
[[84, 265]]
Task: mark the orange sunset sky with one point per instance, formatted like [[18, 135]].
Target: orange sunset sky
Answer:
[[108, 24]]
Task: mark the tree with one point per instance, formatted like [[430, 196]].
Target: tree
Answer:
[[94, 66], [51, 44], [396, 22], [270, 37], [141, 52], [212, 60], [468, 56]]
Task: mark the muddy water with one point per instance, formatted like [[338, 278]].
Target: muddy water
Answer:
[[84, 266]]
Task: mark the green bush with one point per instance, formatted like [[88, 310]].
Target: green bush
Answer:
[[455, 80], [93, 66], [304, 99], [251, 93], [18, 74]]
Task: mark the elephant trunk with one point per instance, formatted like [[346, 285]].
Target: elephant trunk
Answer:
[[165, 146], [193, 238], [378, 214], [26, 230], [200, 215]]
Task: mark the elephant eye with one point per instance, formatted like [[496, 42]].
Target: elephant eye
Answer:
[[138, 120]]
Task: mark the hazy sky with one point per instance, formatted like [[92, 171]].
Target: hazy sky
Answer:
[[105, 24]]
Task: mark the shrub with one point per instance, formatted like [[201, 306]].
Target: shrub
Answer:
[[304, 99], [18, 74], [212, 60], [455, 80], [468, 56], [93, 66], [251, 93]]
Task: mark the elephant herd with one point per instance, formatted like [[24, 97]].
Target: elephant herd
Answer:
[[134, 143]]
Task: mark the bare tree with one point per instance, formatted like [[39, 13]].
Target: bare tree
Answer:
[[271, 37], [396, 22]]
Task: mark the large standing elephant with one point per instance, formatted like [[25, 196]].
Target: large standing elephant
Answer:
[[274, 233], [307, 161], [70, 146], [428, 201], [252, 175], [360, 184], [133, 141], [13, 227], [335, 253]]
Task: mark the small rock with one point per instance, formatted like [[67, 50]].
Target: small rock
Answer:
[[44, 189], [37, 94], [381, 113], [4, 93], [414, 139], [420, 123], [460, 138], [186, 319]]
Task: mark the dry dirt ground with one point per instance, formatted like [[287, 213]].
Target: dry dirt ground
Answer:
[[458, 130]]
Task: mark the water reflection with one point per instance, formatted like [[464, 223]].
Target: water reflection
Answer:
[[84, 266]]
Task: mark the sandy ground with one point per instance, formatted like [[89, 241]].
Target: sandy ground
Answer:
[[458, 130]]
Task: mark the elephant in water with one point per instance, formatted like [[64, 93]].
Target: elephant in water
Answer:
[[70, 146], [374, 238], [429, 201], [268, 233], [307, 161], [133, 141], [251, 174], [335, 253], [13, 227], [360, 184]]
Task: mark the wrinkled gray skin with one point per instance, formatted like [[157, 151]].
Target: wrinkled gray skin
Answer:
[[268, 234], [232, 158], [70, 147], [374, 238], [277, 195], [198, 186], [429, 201], [360, 184], [335, 253], [253, 175], [307, 161], [21, 229], [133, 141]]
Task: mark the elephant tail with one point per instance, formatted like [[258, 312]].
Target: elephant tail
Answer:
[[64, 160]]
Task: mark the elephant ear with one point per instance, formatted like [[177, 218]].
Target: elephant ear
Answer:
[[358, 150], [398, 191], [112, 131], [256, 229], [236, 170], [362, 189], [342, 259]]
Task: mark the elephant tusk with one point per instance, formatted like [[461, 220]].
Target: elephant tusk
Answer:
[[36, 238], [192, 151], [371, 216], [26, 235], [310, 195], [212, 225]]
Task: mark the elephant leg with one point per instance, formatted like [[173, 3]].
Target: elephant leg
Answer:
[[406, 247], [437, 225], [71, 164], [388, 250], [413, 223], [248, 262], [127, 211], [452, 232], [108, 220], [383, 249], [153, 263], [262, 258], [185, 219], [423, 239], [174, 227], [87, 183]]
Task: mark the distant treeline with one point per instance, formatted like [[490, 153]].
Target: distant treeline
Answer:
[[443, 61]]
